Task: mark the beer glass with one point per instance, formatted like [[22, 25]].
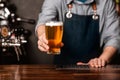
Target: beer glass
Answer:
[[54, 33]]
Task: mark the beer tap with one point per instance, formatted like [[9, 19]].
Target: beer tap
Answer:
[[12, 34]]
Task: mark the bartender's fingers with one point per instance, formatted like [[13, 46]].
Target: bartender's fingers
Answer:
[[92, 63], [103, 63], [43, 43], [60, 45], [99, 62], [96, 62], [42, 46], [43, 39]]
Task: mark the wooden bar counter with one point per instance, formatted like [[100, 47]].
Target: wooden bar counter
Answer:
[[51, 72]]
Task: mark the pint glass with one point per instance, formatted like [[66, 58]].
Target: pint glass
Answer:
[[54, 33]]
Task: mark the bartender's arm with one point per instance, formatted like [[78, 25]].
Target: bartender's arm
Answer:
[[104, 58], [96, 62]]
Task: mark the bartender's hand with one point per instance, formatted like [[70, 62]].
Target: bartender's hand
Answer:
[[43, 43], [96, 63]]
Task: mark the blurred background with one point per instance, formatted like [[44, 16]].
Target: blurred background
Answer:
[[26, 10], [18, 43]]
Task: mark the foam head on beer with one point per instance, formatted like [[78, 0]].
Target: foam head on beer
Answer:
[[54, 33], [54, 23]]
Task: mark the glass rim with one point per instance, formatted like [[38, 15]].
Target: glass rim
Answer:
[[54, 23]]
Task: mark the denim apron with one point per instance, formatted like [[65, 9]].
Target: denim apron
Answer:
[[81, 38]]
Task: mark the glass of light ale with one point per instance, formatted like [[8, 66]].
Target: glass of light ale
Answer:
[[54, 33]]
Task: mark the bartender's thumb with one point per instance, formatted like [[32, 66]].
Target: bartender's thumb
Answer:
[[81, 63]]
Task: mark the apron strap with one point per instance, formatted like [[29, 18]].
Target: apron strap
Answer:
[[94, 7]]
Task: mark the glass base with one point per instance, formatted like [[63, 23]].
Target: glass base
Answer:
[[54, 53]]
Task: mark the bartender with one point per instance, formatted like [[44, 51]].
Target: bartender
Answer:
[[91, 30]]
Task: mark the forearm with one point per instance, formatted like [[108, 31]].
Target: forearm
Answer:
[[108, 53]]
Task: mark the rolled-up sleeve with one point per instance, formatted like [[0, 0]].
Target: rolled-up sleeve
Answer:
[[48, 12], [112, 27]]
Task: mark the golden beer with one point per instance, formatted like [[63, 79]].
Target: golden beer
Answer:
[[54, 32]]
